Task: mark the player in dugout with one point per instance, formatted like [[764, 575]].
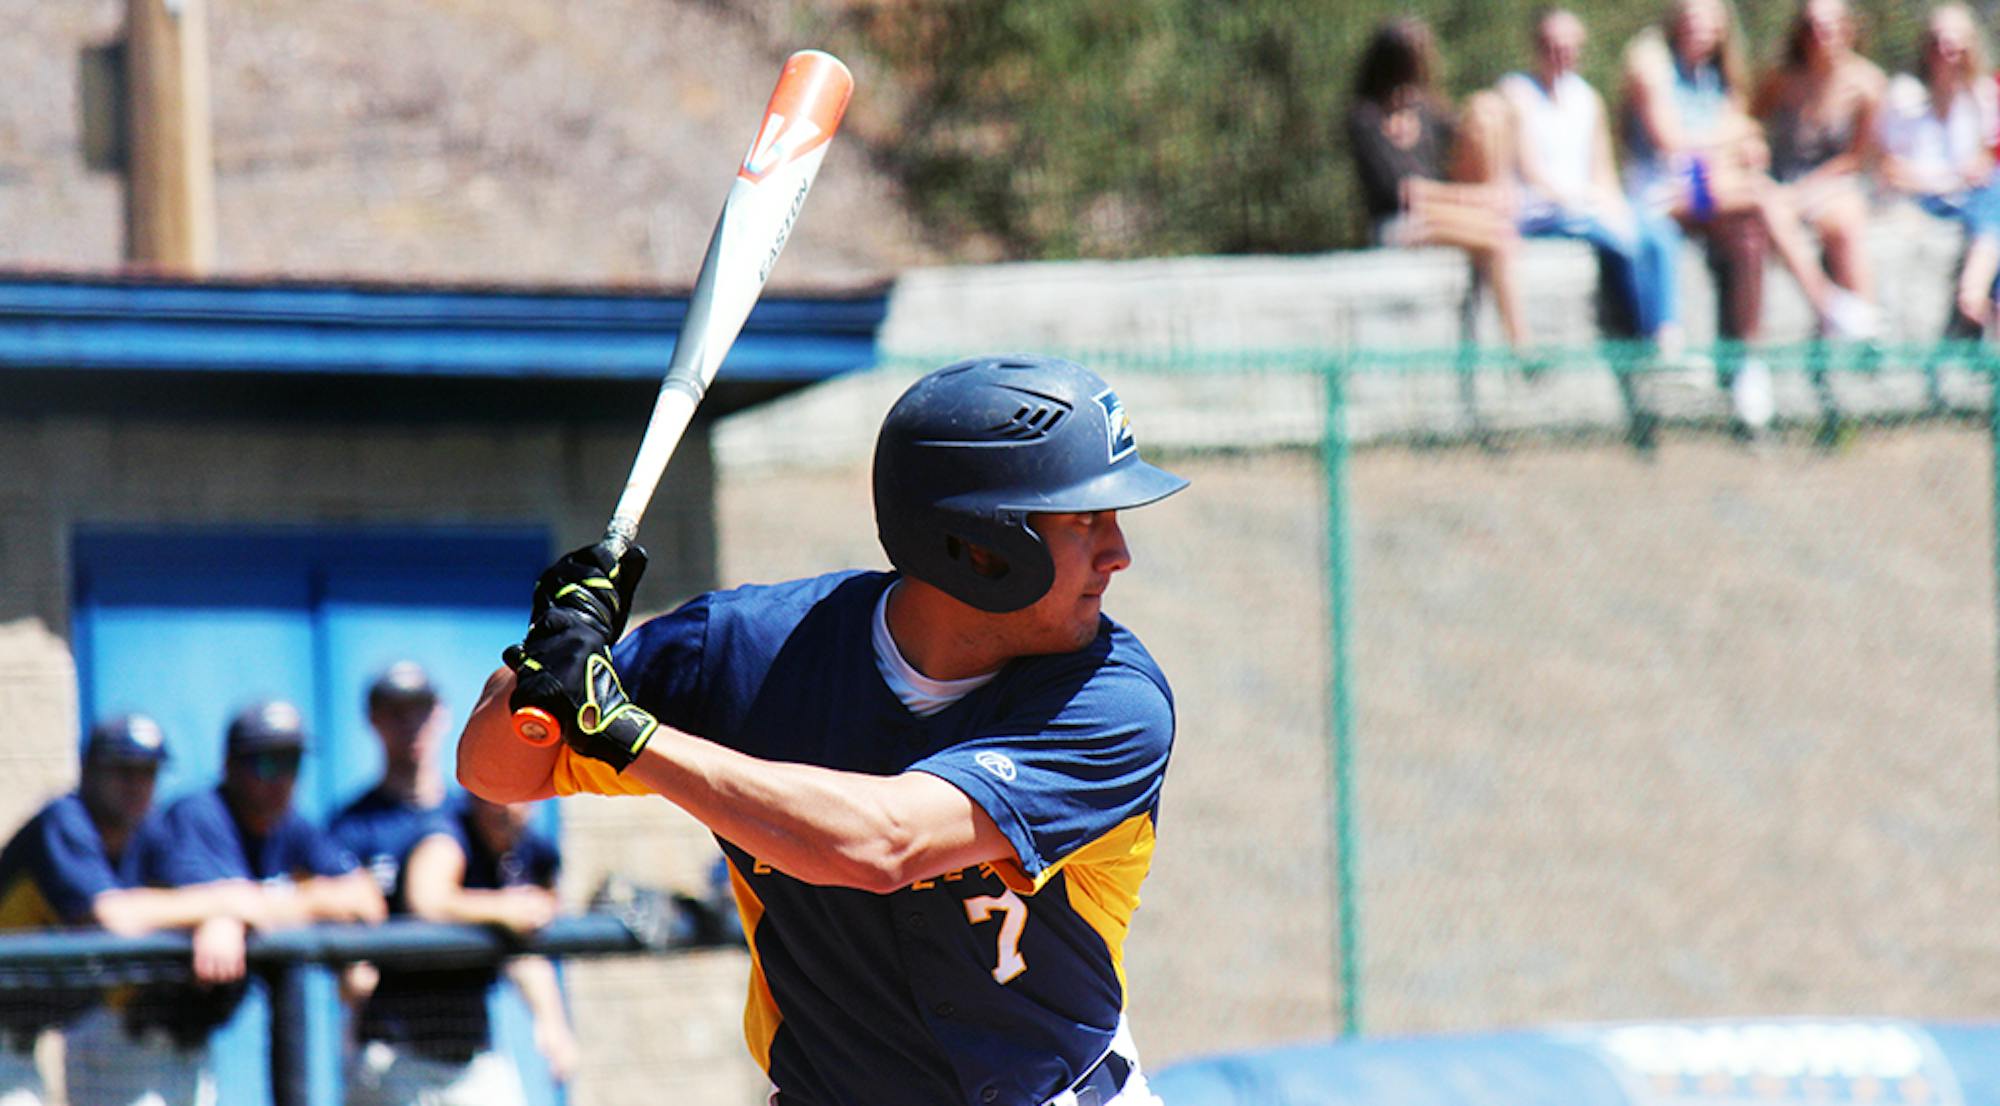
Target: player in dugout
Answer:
[[73, 864], [241, 836], [936, 787], [426, 1038], [382, 825]]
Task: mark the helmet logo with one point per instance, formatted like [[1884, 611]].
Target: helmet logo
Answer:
[[996, 763], [1117, 427]]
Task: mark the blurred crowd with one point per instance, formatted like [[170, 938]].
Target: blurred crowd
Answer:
[[1792, 161], [238, 857]]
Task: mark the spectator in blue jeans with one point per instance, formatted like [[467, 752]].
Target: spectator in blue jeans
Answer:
[[1570, 189]]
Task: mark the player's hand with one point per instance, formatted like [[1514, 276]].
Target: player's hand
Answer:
[[358, 981], [219, 953], [523, 910], [557, 1046], [581, 605], [593, 584], [603, 724]]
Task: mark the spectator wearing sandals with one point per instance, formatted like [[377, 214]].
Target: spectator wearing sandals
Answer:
[[1569, 186], [1938, 129], [1429, 179], [1693, 152], [1819, 108]]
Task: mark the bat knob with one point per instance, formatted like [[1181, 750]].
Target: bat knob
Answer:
[[537, 726]]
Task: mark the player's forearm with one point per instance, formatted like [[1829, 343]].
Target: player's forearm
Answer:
[[815, 824], [462, 906], [346, 898], [493, 762], [134, 910]]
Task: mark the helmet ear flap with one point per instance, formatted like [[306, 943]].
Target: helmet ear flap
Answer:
[[1015, 571]]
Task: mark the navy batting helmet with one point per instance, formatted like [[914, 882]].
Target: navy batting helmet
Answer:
[[972, 449]]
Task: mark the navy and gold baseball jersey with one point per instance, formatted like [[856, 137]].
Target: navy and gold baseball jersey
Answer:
[[55, 866], [998, 984], [50, 873]]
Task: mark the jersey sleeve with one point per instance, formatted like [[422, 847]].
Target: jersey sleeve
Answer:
[[1067, 769], [190, 844], [72, 869]]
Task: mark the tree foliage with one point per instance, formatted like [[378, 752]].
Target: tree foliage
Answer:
[[1059, 128]]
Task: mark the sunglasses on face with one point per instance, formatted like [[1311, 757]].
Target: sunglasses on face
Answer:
[[272, 765]]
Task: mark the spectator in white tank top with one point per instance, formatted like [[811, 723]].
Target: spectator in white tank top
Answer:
[[1569, 186]]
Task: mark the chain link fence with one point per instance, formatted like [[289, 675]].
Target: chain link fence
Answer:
[[1514, 693]]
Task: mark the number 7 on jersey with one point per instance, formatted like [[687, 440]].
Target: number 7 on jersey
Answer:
[[1013, 919]]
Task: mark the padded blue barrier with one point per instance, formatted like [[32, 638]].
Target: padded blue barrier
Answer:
[[1774, 1062]]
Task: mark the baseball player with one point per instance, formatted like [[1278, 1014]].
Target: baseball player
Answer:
[[383, 824], [936, 787], [425, 1035], [72, 865], [242, 836]]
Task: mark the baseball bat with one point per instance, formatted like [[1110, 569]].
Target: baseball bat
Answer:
[[757, 217]]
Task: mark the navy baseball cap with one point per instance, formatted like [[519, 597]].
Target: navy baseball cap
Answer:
[[402, 682], [274, 724], [127, 737]]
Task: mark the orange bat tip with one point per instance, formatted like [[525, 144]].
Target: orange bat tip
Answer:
[[805, 110]]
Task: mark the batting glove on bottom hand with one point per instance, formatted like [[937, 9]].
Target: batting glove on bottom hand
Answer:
[[564, 667]]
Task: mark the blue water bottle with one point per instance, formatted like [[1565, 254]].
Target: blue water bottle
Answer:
[[1701, 201]]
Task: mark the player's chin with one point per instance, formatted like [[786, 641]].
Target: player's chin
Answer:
[[1083, 628]]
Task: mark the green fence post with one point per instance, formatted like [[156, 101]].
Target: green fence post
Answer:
[[1333, 455]]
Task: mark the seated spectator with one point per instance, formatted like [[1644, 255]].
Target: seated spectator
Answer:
[[1819, 109], [242, 837], [73, 865], [425, 1037], [1694, 153], [1425, 179], [1569, 186], [1937, 132]]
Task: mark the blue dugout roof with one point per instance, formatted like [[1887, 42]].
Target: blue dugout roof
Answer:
[[231, 330]]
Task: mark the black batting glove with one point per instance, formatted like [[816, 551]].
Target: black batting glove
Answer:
[[593, 583], [563, 665]]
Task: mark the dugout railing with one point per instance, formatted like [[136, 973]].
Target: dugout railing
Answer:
[[290, 1048]]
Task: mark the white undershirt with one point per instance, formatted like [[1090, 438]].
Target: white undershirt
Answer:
[[921, 694]]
